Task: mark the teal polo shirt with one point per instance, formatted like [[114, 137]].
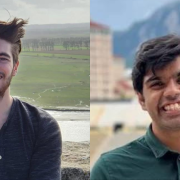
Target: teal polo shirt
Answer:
[[143, 159]]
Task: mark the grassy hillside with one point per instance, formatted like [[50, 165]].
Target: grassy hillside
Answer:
[[40, 54], [52, 82]]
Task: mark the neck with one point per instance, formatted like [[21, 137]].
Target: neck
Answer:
[[5, 106], [170, 139]]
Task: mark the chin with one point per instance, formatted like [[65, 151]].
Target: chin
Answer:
[[173, 124]]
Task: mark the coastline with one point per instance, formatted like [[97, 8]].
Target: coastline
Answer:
[[67, 109], [56, 108]]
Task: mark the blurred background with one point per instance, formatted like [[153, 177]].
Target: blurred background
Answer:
[[117, 28]]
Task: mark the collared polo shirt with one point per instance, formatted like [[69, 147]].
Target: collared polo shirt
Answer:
[[143, 159]]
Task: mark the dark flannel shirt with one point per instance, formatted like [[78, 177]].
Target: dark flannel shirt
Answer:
[[30, 144], [143, 159]]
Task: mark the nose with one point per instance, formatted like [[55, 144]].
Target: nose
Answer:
[[172, 90]]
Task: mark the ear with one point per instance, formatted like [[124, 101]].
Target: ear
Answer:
[[15, 68], [141, 101]]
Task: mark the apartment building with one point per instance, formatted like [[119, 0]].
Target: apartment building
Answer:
[[101, 63]]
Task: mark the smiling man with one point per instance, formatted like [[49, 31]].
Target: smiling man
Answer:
[[156, 155], [30, 139]]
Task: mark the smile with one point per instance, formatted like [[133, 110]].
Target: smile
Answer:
[[172, 107]]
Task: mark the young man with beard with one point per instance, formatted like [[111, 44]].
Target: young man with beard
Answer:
[[30, 139], [156, 155]]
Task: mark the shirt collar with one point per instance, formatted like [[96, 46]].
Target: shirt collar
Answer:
[[158, 149]]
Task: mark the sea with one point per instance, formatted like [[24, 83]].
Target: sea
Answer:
[[74, 125]]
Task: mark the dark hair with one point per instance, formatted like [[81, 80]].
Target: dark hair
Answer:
[[152, 55], [12, 32]]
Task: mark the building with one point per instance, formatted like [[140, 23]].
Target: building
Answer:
[[123, 88], [119, 67], [101, 64]]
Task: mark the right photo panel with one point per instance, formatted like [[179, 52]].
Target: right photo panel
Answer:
[[134, 90]]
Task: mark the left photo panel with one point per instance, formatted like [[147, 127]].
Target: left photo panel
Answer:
[[45, 89]]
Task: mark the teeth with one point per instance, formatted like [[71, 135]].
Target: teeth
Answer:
[[167, 108], [172, 107], [176, 106]]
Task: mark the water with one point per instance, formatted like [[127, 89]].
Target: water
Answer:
[[75, 125], [76, 131], [70, 115]]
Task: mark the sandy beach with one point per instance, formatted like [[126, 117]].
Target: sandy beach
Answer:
[[76, 154]]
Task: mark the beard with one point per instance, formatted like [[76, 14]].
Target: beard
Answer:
[[4, 85]]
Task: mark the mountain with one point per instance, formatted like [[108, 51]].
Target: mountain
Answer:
[[57, 30], [165, 20]]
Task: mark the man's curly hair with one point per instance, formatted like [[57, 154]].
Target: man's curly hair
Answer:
[[12, 32], [152, 55]]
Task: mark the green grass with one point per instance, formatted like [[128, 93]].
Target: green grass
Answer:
[[52, 82], [39, 54]]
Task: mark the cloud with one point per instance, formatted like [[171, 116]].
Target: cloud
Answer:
[[22, 4], [53, 11], [59, 4]]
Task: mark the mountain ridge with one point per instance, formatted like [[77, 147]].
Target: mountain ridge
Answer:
[[37, 31], [165, 20]]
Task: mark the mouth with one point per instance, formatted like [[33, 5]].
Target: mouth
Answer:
[[172, 109]]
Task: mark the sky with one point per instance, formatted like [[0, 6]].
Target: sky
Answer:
[[121, 14], [47, 11]]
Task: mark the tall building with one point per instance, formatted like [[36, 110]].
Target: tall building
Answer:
[[101, 63]]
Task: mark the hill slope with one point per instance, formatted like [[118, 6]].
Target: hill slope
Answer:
[[57, 30]]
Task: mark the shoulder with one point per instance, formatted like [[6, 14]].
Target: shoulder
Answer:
[[129, 150], [117, 162], [35, 117], [37, 125], [33, 112]]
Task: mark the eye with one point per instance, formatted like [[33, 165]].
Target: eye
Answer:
[[157, 84], [178, 80], [3, 59]]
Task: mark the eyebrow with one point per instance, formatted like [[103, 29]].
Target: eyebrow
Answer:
[[153, 78], [156, 78], [5, 54]]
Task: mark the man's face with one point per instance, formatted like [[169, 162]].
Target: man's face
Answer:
[[7, 70], [161, 96]]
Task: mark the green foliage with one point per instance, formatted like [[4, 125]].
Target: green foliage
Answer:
[[60, 47]]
